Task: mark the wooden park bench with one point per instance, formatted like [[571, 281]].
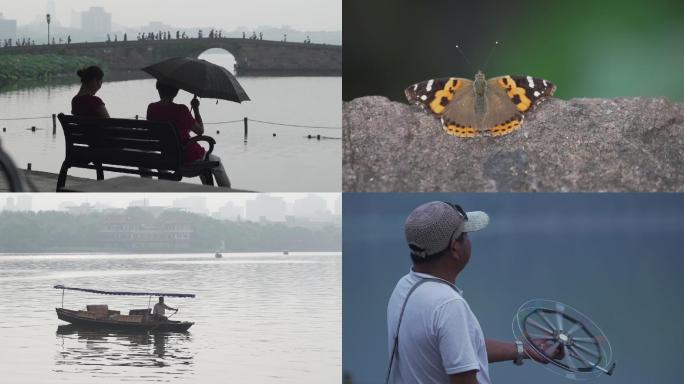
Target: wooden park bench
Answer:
[[141, 147]]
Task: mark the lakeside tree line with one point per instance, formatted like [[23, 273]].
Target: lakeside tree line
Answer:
[[41, 66], [137, 230]]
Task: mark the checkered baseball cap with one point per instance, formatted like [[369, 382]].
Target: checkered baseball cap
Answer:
[[431, 227]]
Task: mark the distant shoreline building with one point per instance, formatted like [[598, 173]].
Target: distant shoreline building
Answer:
[[95, 22], [124, 231], [75, 19], [266, 208], [18, 204], [8, 28]]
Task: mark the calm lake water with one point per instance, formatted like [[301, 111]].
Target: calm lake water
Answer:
[[288, 162], [259, 318], [615, 257]]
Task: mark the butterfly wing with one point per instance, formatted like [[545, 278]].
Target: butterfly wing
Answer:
[[510, 97], [525, 92], [503, 116], [459, 118], [435, 94]]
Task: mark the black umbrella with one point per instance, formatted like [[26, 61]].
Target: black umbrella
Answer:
[[199, 77]]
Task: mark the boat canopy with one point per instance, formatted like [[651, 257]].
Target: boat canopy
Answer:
[[121, 293]]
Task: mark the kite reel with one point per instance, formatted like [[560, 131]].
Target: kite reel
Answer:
[[546, 325]]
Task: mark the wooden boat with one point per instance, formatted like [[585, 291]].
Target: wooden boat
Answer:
[[102, 318]]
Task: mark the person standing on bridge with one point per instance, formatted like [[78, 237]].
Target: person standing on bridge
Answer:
[[85, 103], [178, 114]]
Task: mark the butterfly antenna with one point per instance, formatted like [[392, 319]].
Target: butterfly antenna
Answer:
[[466, 59], [496, 43]]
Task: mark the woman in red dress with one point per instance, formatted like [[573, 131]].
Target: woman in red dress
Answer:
[[85, 103], [178, 114]]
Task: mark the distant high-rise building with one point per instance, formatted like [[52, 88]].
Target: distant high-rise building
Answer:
[[157, 26], [96, 22], [194, 204], [9, 204], [8, 28], [24, 203], [230, 211], [75, 19], [311, 207], [266, 208], [18, 203]]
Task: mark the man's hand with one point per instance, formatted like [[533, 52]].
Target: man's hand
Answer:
[[194, 103], [544, 345]]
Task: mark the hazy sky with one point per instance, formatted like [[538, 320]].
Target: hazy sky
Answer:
[[48, 201], [323, 15]]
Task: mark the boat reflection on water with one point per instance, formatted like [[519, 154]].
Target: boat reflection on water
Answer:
[[92, 349]]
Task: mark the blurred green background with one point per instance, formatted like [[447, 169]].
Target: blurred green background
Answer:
[[609, 48]]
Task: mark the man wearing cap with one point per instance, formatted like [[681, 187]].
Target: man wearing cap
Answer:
[[433, 336]]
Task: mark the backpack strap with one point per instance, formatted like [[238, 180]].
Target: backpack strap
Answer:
[[401, 316]]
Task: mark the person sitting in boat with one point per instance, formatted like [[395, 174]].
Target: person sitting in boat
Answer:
[[160, 309], [178, 114], [85, 103]]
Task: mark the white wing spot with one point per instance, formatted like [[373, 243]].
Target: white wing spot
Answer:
[[536, 93], [424, 97], [545, 85], [415, 87], [530, 82], [428, 87]]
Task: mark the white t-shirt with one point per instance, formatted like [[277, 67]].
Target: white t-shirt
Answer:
[[159, 309], [439, 334]]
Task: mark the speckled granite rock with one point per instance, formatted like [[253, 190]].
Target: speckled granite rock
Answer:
[[625, 144]]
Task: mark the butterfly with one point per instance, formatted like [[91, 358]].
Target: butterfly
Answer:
[[470, 108]]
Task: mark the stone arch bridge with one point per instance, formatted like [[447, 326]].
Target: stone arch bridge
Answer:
[[253, 57]]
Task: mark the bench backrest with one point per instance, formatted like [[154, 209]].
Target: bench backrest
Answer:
[[122, 142]]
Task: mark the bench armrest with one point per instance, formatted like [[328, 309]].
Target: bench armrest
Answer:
[[207, 139]]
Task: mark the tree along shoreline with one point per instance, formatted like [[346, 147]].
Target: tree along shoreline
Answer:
[[22, 67], [173, 231]]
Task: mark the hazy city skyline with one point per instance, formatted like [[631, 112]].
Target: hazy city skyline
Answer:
[[213, 203], [311, 15]]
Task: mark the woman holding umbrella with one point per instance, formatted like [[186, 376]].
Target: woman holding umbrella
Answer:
[[202, 79], [178, 114]]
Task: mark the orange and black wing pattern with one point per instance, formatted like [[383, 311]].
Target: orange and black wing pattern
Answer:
[[435, 94], [526, 91]]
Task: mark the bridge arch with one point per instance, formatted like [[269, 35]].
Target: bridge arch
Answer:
[[220, 56]]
